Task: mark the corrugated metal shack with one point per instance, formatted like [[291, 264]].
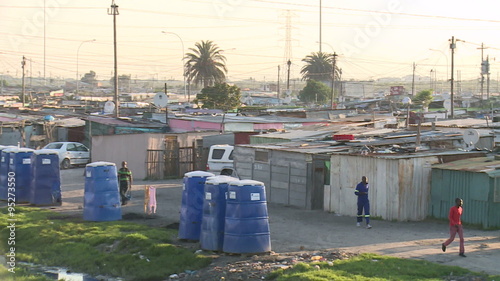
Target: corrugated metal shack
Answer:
[[476, 181], [294, 173], [400, 184]]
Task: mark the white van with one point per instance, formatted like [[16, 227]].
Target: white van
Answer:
[[220, 159]]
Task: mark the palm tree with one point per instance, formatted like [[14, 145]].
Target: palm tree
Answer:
[[205, 64], [318, 67]]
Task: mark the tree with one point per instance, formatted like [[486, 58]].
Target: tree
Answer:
[[123, 81], [424, 97], [314, 92], [221, 96], [318, 67], [89, 78], [205, 64]]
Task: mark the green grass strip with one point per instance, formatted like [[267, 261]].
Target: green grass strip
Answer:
[[372, 267], [115, 248]]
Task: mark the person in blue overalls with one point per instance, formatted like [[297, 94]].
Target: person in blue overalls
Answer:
[[363, 202]]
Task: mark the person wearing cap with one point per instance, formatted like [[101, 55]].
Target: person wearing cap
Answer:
[[125, 180]]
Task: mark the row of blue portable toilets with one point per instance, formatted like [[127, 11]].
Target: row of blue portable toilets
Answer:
[[29, 176], [33, 176], [224, 213]]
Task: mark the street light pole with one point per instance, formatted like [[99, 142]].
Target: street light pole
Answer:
[[77, 53], [183, 64]]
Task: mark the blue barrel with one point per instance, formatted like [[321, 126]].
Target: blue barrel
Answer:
[[192, 204], [46, 184], [101, 198], [246, 228], [20, 169], [214, 212], [4, 170]]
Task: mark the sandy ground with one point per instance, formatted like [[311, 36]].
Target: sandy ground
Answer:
[[295, 230]]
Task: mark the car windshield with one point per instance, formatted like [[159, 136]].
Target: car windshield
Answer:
[[54, 146]]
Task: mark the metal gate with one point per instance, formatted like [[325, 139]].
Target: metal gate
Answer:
[[173, 161]]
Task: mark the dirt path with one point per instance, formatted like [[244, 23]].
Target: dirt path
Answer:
[[295, 230]]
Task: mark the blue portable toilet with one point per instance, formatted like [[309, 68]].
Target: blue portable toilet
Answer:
[[214, 212], [246, 228], [20, 169], [46, 184], [101, 199], [192, 204], [4, 170], [3, 178]]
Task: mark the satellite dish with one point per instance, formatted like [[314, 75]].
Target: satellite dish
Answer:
[[470, 137], [109, 107], [160, 100], [447, 104]]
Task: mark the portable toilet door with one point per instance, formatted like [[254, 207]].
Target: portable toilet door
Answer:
[[20, 169], [192, 204], [101, 194], [46, 184], [4, 172], [246, 228]]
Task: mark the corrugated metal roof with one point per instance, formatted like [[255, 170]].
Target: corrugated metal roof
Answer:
[[463, 123], [70, 122], [481, 164], [245, 119], [123, 123], [8, 119], [293, 135]]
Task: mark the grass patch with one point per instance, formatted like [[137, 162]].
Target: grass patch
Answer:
[[372, 267], [21, 275], [116, 248]]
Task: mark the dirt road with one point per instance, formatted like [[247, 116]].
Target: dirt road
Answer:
[[294, 230]]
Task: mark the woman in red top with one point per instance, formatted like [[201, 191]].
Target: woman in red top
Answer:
[[455, 227]]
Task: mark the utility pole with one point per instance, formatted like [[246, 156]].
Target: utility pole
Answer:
[[288, 63], [334, 62], [114, 12], [320, 42], [452, 47], [166, 107], [23, 64], [430, 80], [482, 72], [488, 77], [278, 89], [413, 81]]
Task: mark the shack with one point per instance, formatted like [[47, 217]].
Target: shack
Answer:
[[476, 181], [400, 184]]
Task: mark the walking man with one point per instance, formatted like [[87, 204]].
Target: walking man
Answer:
[[125, 180], [456, 227], [363, 202]]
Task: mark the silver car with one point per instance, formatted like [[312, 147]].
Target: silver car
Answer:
[[70, 153]]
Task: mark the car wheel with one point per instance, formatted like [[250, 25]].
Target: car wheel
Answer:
[[65, 164]]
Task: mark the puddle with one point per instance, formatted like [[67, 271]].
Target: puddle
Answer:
[[58, 273], [63, 274]]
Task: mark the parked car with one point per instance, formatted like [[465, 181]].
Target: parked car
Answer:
[[220, 159], [70, 153]]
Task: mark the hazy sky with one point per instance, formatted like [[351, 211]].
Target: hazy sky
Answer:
[[373, 38]]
